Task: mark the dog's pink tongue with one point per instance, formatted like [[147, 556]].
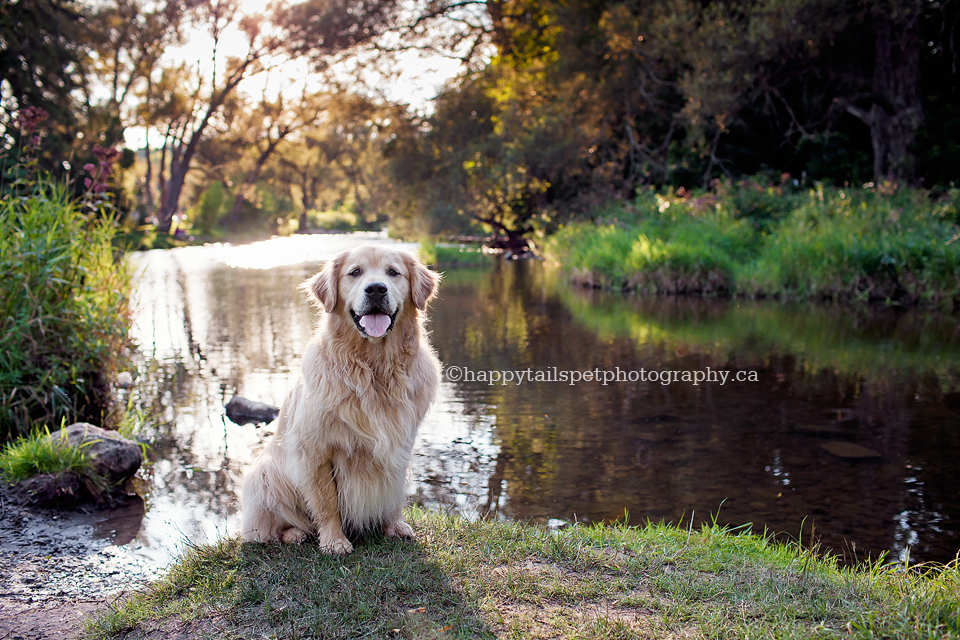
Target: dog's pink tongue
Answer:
[[375, 324]]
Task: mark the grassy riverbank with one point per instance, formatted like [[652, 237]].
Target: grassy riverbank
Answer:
[[506, 580], [452, 255], [753, 240]]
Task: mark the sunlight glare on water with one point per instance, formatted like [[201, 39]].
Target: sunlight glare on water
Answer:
[[278, 252]]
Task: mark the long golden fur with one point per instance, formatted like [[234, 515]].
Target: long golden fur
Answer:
[[339, 457]]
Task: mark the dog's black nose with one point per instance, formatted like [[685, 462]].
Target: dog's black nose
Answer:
[[376, 289]]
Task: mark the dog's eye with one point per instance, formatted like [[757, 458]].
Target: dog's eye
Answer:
[[356, 272], [393, 273]]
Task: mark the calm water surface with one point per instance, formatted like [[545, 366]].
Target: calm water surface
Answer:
[[217, 321]]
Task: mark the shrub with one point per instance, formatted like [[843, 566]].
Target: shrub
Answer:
[[207, 212], [662, 246], [64, 310], [850, 244], [860, 245]]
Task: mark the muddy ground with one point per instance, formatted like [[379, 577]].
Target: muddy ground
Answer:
[[57, 566]]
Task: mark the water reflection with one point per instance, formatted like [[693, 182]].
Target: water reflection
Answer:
[[887, 381]]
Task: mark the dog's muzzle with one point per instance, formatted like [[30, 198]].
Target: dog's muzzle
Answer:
[[375, 319]]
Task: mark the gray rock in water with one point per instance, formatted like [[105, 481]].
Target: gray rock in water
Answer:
[[115, 459], [850, 451], [243, 411]]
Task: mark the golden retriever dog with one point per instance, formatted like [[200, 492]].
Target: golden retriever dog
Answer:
[[338, 460]]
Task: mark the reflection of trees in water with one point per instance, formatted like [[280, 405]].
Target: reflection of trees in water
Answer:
[[662, 452], [176, 390], [258, 321]]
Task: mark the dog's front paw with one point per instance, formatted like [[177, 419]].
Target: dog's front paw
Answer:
[[398, 529], [334, 545]]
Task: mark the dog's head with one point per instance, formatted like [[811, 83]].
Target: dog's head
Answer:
[[372, 285]]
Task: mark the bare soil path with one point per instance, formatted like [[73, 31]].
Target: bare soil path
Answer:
[[58, 566]]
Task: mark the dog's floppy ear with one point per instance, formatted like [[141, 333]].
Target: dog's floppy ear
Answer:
[[423, 282], [324, 286]]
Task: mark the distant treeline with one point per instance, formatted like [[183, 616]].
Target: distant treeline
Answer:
[[587, 101], [561, 106]]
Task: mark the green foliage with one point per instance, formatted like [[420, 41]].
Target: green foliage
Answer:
[[856, 244], [63, 311], [850, 244], [663, 244], [333, 220], [208, 211], [38, 453], [451, 255]]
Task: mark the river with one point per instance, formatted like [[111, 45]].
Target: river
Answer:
[[773, 450]]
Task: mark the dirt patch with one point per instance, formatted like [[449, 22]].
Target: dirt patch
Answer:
[[550, 620], [212, 626], [61, 565], [49, 620]]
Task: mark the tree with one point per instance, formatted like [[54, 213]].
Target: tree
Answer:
[[218, 17], [126, 39], [317, 29], [267, 127], [337, 161], [854, 57], [40, 56], [893, 111], [586, 101]]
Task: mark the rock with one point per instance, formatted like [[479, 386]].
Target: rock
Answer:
[[850, 451], [243, 411], [124, 380], [115, 459], [555, 524], [54, 490]]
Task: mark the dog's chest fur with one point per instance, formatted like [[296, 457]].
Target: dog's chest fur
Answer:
[[368, 416]]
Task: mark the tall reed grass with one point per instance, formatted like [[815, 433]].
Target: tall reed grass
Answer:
[[823, 243], [64, 312]]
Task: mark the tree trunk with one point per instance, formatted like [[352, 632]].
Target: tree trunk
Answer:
[[148, 201], [171, 200], [180, 162], [896, 112], [233, 218], [179, 166]]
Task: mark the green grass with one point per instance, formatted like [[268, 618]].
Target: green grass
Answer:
[[38, 453], [824, 243], [452, 255], [488, 579], [63, 311], [334, 220]]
